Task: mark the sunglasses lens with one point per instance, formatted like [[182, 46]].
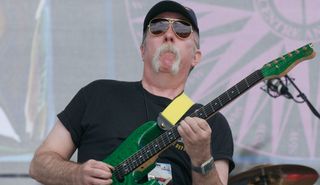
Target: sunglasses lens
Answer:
[[182, 29], [159, 26]]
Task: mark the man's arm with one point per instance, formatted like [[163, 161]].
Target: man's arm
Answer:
[[196, 134], [218, 175], [51, 164]]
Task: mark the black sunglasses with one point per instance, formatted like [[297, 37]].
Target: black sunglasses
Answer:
[[181, 28]]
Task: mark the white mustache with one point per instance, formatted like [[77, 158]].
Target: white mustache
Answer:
[[163, 49]]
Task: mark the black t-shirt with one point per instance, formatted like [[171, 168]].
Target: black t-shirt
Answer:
[[103, 113]]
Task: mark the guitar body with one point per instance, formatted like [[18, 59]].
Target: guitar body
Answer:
[[135, 141]]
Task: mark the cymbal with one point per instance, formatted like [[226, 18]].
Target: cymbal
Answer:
[[282, 174]]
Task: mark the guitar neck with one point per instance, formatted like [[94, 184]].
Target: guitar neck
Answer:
[[225, 98], [171, 135]]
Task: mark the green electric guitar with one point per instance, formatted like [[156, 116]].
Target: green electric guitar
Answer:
[[136, 156]]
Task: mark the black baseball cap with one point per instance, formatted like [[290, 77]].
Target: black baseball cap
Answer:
[[171, 6]]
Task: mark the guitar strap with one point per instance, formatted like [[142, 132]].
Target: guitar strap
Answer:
[[174, 111]]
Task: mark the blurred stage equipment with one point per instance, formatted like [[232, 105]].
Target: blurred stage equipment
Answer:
[[282, 174], [276, 87]]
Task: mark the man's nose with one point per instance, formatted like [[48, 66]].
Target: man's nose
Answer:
[[169, 36]]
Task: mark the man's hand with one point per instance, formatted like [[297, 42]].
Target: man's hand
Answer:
[[196, 135], [94, 172]]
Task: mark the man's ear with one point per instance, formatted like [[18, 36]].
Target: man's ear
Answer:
[[196, 58], [142, 50]]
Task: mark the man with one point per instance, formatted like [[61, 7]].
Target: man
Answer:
[[105, 112]]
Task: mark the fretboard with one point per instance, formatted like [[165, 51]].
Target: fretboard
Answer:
[[225, 98], [171, 135]]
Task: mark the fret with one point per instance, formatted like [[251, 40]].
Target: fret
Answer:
[[208, 111], [159, 145], [124, 169], [216, 105], [221, 104], [141, 158], [147, 151], [204, 112], [165, 139], [236, 87], [173, 138], [117, 173], [156, 146], [175, 132], [251, 79], [255, 77], [144, 156], [134, 161], [212, 108], [258, 76], [242, 86], [232, 92], [162, 144], [169, 136], [224, 99], [201, 113], [228, 95], [128, 166], [246, 81]]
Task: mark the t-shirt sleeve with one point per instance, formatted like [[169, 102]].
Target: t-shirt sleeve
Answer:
[[71, 117], [222, 140]]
